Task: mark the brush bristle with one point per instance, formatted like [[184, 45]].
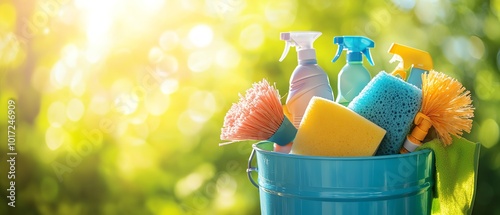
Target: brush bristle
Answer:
[[448, 104], [256, 116]]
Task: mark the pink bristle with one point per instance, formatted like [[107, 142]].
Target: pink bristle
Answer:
[[256, 116]]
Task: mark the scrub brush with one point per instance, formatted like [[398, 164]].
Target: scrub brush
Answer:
[[258, 116], [446, 106]]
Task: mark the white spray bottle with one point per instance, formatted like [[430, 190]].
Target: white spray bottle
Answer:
[[308, 79]]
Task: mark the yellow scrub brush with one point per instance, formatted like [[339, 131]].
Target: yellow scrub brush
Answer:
[[446, 106]]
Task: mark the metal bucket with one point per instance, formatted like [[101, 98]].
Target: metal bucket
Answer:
[[295, 184]]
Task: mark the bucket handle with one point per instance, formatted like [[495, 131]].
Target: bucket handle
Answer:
[[251, 169]]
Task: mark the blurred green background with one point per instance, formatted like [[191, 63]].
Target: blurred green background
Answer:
[[119, 104]]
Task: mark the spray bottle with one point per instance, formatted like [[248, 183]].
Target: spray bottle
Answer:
[[308, 79], [353, 77], [412, 59]]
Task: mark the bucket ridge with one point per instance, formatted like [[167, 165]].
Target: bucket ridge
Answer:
[[342, 194]]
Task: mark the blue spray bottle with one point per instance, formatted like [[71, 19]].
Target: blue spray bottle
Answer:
[[353, 77], [308, 79]]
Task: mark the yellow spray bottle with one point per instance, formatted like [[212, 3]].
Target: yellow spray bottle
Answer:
[[413, 60]]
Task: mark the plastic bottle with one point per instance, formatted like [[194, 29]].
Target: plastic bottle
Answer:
[[308, 79], [353, 77], [412, 59]]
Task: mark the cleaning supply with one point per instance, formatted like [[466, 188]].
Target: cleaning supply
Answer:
[[400, 184], [286, 148], [392, 104], [353, 77], [446, 106], [416, 61], [308, 79], [456, 175], [330, 129], [258, 116]]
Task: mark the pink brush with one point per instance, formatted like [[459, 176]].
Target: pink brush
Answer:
[[258, 116]]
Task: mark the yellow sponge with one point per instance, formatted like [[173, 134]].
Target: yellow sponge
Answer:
[[330, 129]]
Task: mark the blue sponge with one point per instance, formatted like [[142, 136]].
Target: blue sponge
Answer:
[[392, 104]]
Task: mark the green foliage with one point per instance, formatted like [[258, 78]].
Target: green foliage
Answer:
[[120, 103]]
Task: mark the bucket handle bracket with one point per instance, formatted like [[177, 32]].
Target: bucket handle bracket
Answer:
[[251, 169]]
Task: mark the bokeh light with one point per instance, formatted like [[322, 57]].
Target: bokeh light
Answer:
[[227, 57], [99, 105], [167, 65], [157, 103], [127, 98], [155, 55], [252, 37], [201, 35], [200, 61], [75, 109], [56, 114], [188, 125], [59, 75], [489, 133], [169, 86], [55, 137], [169, 40]]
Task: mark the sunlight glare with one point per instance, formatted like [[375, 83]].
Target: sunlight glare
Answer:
[[152, 5], [99, 18]]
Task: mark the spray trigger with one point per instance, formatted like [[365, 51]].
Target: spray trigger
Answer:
[[285, 52], [340, 42], [302, 41], [396, 58], [355, 46], [368, 56], [408, 57], [286, 37]]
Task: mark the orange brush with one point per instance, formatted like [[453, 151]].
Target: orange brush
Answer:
[[446, 106], [258, 116]]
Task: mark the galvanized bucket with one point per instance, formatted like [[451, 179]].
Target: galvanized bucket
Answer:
[[294, 184]]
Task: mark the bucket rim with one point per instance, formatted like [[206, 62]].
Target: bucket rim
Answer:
[[255, 146]]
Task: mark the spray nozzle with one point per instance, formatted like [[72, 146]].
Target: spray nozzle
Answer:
[[303, 41], [355, 46], [408, 57]]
